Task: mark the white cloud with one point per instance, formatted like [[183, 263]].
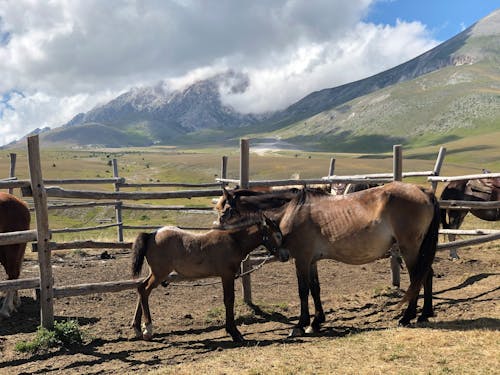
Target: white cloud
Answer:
[[67, 56]]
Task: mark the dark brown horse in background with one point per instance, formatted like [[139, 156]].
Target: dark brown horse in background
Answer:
[[193, 255], [481, 190], [14, 216], [357, 228]]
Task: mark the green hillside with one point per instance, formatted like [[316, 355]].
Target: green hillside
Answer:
[[445, 105]]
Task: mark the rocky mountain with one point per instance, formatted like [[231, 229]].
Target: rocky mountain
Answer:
[[158, 114], [442, 94]]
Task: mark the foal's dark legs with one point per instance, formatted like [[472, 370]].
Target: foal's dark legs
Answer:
[[228, 287], [319, 315]]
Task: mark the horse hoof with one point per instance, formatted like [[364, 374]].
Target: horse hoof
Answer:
[[147, 332], [238, 339], [296, 332], [404, 323], [311, 330], [137, 333]]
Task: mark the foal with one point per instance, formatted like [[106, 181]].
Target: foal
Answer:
[[215, 253]]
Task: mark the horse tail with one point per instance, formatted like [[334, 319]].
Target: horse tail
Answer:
[[426, 253], [140, 248]]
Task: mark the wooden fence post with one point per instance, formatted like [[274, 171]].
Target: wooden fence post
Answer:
[[118, 206], [223, 170], [43, 234], [331, 170], [12, 172], [397, 176], [244, 182], [437, 167]]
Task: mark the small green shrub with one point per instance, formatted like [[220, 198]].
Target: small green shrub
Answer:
[[64, 334]]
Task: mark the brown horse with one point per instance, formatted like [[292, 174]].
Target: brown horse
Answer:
[[14, 216], [356, 229], [482, 190], [214, 253]]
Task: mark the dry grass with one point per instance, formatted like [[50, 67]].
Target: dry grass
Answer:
[[393, 351]]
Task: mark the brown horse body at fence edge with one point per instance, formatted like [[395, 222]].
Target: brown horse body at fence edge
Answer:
[[357, 228], [214, 253], [14, 216], [481, 190]]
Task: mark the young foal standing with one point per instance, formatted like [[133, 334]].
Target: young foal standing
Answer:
[[215, 253], [14, 216], [357, 228]]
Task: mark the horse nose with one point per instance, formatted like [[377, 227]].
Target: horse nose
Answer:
[[283, 255]]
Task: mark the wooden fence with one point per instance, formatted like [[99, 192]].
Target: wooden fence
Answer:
[[36, 187]]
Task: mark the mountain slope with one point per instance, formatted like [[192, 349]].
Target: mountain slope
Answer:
[[460, 97]]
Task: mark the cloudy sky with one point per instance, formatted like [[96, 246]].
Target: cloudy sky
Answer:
[[62, 57]]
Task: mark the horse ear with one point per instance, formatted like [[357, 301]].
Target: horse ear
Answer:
[[227, 196]]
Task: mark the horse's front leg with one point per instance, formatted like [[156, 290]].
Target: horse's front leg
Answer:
[[302, 271], [228, 288], [319, 315]]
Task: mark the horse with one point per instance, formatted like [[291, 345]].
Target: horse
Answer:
[[217, 252], [482, 190], [14, 216], [355, 229]]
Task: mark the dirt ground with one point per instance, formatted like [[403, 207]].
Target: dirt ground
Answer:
[[189, 320]]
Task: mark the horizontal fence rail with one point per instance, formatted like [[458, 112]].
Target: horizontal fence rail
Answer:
[[119, 195], [468, 205], [23, 236], [460, 178]]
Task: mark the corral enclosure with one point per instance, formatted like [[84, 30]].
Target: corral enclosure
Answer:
[[184, 331]]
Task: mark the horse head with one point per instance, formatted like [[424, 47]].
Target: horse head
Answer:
[[272, 239]]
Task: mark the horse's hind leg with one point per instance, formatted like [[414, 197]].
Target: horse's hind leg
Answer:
[[152, 282], [319, 315], [427, 310], [410, 261]]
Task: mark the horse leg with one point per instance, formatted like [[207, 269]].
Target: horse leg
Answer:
[[136, 322], [410, 259], [319, 315], [13, 260], [228, 289], [145, 290], [302, 270], [455, 219], [427, 310]]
